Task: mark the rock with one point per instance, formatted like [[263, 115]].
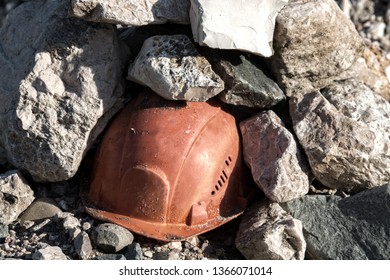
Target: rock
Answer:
[[71, 225], [134, 252], [49, 253], [218, 24], [370, 68], [166, 255], [314, 43], [111, 238], [111, 257], [60, 83], [352, 228], [273, 157], [175, 245], [83, 246], [15, 196], [245, 82], [4, 233], [39, 210], [267, 232], [172, 67], [345, 132], [132, 12]]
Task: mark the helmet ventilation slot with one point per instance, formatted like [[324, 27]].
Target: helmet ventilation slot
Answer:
[[222, 178]]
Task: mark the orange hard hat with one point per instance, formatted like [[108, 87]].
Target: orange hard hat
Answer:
[[168, 170]]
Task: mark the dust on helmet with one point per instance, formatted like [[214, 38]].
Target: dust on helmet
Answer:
[[168, 170]]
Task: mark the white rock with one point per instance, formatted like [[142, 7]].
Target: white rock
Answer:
[[246, 25], [172, 67], [132, 12], [49, 253], [273, 157], [268, 232], [15, 196], [387, 71]]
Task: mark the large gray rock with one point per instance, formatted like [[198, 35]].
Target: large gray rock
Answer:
[[15, 196], [314, 42], [245, 83], [132, 12], [246, 25], [172, 67], [345, 132], [267, 232], [352, 228], [111, 238], [60, 82], [42, 208], [273, 157]]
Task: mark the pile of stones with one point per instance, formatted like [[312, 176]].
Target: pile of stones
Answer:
[[316, 132]]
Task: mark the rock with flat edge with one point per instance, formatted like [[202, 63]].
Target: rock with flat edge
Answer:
[[314, 43], [246, 25], [132, 12], [60, 82], [267, 232], [345, 133], [111, 238], [15, 196], [42, 208], [273, 157], [352, 228], [245, 82], [172, 67]]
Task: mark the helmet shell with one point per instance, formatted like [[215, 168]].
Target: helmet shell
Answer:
[[168, 170]]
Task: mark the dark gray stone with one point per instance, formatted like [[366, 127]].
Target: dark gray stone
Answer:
[[111, 238], [245, 82], [83, 246], [134, 252], [353, 228]]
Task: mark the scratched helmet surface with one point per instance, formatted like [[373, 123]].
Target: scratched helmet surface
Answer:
[[168, 170]]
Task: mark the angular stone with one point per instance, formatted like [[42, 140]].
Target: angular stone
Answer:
[[39, 210], [314, 43], [267, 232], [345, 132], [49, 253], [246, 25], [172, 67], [83, 246], [15, 196], [60, 83], [352, 228], [111, 238], [132, 12], [245, 82], [134, 251], [273, 157]]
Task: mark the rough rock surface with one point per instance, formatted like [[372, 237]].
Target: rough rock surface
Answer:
[[245, 82], [15, 196], [172, 67], [83, 246], [132, 12], [111, 238], [272, 154], [314, 42], [58, 77], [218, 24], [356, 227], [49, 253], [345, 132], [268, 232]]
